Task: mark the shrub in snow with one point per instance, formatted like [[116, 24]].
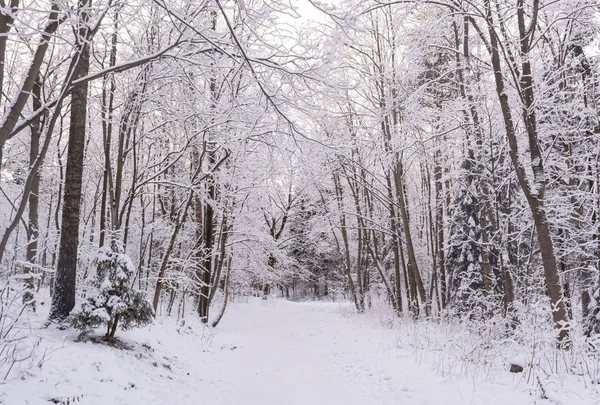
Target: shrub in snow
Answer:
[[110, 300], [20, 350]]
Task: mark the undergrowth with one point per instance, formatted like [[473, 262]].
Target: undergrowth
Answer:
[[484, 349]]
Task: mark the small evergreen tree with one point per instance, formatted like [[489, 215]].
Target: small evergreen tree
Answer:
[[110, 299], [464, 252]]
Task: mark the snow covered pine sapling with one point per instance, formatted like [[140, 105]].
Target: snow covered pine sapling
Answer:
[[110, 298]]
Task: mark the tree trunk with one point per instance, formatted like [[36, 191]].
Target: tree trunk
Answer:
[[108, 98], [207, 237], [225, 294], [344, 231], [439, 227], [63, 299], [32, 225], [415, 275]]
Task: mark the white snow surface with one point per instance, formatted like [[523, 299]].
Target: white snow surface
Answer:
[[263, 353]]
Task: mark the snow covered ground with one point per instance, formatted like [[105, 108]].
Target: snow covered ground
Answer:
[[266, 353]]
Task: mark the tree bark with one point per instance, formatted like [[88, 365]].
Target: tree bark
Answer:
[[346, 253], [439, 228], [32, 223], [207, 237], [225, 294], [416, 281], [63, 299]]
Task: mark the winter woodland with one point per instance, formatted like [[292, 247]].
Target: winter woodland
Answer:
[[427, 170]]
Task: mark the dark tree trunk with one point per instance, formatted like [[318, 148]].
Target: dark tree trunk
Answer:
[[208, 242], [63, 299], [416, 283], [439, 227], [32, 225]]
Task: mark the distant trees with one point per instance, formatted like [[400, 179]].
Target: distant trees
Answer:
[[315, 253]]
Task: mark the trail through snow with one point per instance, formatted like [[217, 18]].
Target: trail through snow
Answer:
[[263, 353], [307, 353]]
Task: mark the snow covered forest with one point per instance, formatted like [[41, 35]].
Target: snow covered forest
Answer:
[[381, 180]]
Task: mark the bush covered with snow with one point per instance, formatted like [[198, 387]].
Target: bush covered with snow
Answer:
[[19, 348], [486, 348], [109, 298]]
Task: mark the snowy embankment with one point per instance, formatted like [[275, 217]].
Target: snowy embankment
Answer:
[[278, 352]]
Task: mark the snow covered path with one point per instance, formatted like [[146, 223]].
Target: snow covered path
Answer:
[[308, 353], [263, 353]]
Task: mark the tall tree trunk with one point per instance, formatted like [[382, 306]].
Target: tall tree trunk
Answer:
[[362, 239], [63, 299], [32, 224], [207, 238], [396, 244], [346, 253], [108, 97], [439, 228], [414, 274]]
